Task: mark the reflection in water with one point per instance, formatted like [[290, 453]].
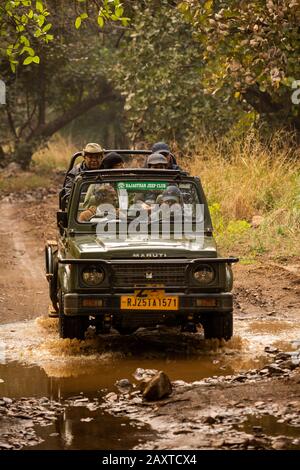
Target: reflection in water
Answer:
[[101, 431], [79, 382], [271, 427], [88, 369], [85, 426]]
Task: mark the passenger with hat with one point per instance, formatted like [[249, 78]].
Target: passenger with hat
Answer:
[[157, 161], [164, 149], [171, 195], [112, 161], [92, 158]]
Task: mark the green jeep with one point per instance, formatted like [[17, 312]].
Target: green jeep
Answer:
[[121, 262]]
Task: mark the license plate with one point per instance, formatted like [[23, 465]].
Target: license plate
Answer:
[[132, 302]]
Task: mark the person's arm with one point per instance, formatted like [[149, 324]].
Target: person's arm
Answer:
[[89, 197], [85, 216]]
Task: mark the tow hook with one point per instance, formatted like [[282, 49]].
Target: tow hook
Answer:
[[189, 326], [105, 325]]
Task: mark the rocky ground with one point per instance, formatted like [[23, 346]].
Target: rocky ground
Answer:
[[19, 418], [258, 409]]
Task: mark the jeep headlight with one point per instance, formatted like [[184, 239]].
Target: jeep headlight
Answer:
[[93, 276], [204, 274]]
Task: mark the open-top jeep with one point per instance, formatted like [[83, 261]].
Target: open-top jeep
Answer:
[[136, 249]]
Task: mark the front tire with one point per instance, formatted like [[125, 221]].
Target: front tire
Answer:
[[52, 273], [71, 327], [218, 325]]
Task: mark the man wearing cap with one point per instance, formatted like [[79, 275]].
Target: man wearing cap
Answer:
[[164, 149], [112, 161], [92, 154], [157, 160], [169, 201]]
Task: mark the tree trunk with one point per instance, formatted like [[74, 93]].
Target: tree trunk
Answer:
[[2, 157], [24, 151], [25, 148]]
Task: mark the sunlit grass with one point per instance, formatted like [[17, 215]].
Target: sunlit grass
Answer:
[[246, 178], [24, 181], [56, 155]]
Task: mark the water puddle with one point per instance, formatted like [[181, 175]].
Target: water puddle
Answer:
[[269, 425], [74, 376], [37, 365], [79, 385], [81, 424]]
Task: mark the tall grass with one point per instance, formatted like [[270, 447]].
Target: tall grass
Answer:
[[246, 178], [56, 155], [24, 181]]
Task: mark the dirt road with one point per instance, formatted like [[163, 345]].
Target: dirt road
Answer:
[[22, 281], [222, 389]]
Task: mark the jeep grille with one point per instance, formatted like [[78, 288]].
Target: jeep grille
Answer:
[[170, 275]]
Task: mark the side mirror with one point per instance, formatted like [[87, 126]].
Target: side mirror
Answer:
[[62, 220]]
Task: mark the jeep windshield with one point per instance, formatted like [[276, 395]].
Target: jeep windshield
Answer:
[[147, 206]]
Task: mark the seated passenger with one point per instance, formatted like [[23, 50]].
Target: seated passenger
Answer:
[[112, 161], [164, 149], [103, 194], [92, 154], [172, 195], [157, 160], [168, 203]]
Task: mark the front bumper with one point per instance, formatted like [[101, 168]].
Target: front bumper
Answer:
[[76, 304]]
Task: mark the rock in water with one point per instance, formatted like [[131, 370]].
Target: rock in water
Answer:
[[158, 387]]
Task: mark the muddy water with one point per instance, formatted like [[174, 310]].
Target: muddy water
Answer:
[[36, 363], [81, 426], [73, 379], [270, 426]]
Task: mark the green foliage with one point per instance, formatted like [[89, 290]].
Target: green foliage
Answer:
[[24, 25], [21, 23], [251, 52], [232, 230], [159, 72], [72, 72]]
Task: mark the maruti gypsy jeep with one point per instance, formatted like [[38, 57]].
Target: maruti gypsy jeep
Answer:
[[106, 271]]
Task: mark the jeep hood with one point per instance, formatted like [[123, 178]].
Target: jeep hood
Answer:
[[90, 246]]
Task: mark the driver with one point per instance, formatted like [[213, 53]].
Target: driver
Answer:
[[92, 157], [104, 194]]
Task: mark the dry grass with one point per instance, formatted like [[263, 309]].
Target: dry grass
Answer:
[[248, 179], [56, 155], [24, 181], [245, 178], [45, 162]]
